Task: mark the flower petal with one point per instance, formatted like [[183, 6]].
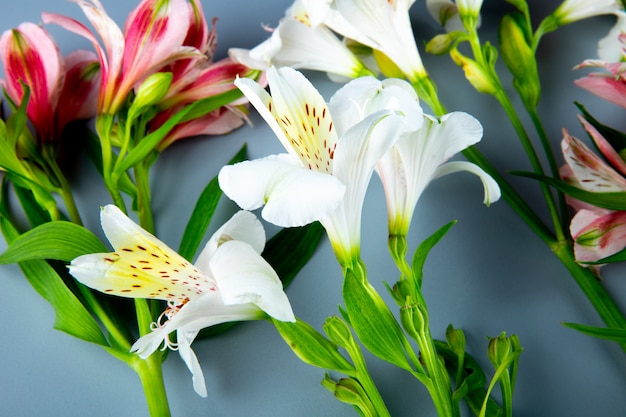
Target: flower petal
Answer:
[[492, 190], [184, 340], [243, 226], [598, 234], [205, 311], [141, 267], [243, 277], [591, 172], [365, 95], [293, 196]]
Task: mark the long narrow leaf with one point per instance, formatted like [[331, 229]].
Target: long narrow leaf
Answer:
[[70, 314], [203, 213], [616, 335], [197, 109], [59, 240], [422, 251], [611, 201]]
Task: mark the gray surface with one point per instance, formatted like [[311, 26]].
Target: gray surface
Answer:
[[489, 274]]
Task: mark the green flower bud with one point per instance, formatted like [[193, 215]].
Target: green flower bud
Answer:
[[475, 74], [312, 347], [350, 391], [339, 332], [153, 89], [456, 340], [503, 349], [519, 57]]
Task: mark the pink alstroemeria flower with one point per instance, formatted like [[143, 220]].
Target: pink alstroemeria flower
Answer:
[[611, 85], [31, 57], [597, 232], [193, 81], [153, 37]]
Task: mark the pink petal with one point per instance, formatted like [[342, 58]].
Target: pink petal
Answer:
[[591, 172], [79, 96], [154, 33], [605, 147], [605, 87], [30, 56], [598, 233]]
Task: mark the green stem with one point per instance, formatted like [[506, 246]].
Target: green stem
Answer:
[[592, 287], [151, 376], [554, 168], [439, 388], [533, 159], [104, 127]]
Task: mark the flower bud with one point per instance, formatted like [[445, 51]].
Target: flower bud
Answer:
[[153, 89], [456, 340], [475, 74], [519, 58], [311, 347], [350, 391], [338, 332], [502, 349]]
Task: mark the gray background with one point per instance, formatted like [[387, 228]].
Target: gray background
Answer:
[[490, 274]]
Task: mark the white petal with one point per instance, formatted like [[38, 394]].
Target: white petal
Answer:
[[206, 311], [243, 277], [294, 196], [118, 228], [366, 95], [357, 153], [184, 340], [243, 226], [315, 48], [492, 190], [261, 100]]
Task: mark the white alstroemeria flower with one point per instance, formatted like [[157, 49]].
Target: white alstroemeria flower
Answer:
[[422, 152], [229, 282], [299, 43], [383, 25], [421, 156], [329, 163], [573, 10]]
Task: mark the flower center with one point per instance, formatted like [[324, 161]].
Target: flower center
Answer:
[[310, 132]]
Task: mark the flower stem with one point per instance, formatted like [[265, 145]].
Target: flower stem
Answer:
[[592, 287], [104, 127], [151, 376]]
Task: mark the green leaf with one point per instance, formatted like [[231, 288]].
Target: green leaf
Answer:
[[611, 201], [70, 314], [34, 212], [615, 335], [422, 251], [59, 240], [290, 249], [371, 319], [192, 111], [203, 213]]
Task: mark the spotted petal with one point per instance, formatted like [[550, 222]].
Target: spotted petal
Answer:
[[141, 266], [591, 172]]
